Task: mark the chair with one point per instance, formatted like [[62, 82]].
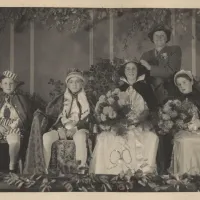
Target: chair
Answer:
[[63, 156], [63, 151]]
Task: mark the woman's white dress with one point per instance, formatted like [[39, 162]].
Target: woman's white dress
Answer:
[[186, 151], [114, 154]]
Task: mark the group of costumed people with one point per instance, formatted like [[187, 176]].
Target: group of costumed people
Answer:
[[149, 83]]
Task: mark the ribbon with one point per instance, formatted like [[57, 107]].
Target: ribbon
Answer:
[[121, 159]]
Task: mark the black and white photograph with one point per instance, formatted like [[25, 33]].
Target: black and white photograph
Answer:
[[99, 99]]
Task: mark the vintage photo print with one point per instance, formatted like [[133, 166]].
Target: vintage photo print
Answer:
[[99, 99]]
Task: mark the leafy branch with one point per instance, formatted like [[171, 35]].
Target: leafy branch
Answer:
[[124, 182]]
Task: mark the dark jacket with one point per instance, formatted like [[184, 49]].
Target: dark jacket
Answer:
[[164, 68]]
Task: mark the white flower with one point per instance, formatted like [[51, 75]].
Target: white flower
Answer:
[[192, 127], [177, 102], [110, 109], [103, 117], [173, 114], [106, 110], [179, 123], [169, 124], [166, 108], [116, 91], [111, 100], [165, 117], [102, 98], [164, 55], [109, 94], [112, 115], [183, 116]]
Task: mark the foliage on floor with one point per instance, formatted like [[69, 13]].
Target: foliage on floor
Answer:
[[129, 182]]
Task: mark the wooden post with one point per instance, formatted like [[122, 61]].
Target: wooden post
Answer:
[[111, 26], [32, 58], [194, 67], [173, 24], [91, 40], [12, 47]]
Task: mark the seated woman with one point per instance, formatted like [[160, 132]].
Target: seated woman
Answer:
[[186, 157], [72, 119], [114, 154], [14, 117]]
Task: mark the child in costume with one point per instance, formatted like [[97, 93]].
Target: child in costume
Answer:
[[14, 116], [186, 157], [72, 118]]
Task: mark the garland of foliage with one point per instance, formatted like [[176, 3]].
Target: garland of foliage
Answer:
[[129, 182], [74, 19]]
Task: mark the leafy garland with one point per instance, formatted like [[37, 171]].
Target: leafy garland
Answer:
[[74, 19], [71, 19], [129, 182]]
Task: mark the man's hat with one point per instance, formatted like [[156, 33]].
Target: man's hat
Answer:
[[9, 74], [160, 28]]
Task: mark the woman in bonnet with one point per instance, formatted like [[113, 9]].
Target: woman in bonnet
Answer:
[[114, 154], [186, 157]]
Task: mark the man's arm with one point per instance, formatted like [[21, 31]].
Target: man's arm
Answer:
[[165, 70]]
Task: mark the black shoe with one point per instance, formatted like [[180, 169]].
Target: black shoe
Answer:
[[15, 171], [12, 171]]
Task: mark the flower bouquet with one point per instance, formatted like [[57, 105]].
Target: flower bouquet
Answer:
[[112, 111], [175, 115]]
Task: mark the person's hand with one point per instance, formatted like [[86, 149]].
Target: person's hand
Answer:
[[70, 125], [71, 132], [145, 64], [62, 133], [3, 129]]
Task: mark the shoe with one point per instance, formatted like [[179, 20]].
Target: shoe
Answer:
[[82, 169], [12, 171]]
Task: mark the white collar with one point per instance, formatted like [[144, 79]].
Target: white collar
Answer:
[[140, 78]]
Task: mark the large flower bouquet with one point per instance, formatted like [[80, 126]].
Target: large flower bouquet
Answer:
[[175, 115], [113, 112]]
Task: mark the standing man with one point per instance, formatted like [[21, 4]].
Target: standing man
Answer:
[[163, 61]]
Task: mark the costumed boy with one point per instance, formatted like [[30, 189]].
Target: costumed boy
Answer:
[[14, 117], [70, 112]]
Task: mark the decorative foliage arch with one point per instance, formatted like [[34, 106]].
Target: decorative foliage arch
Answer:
[[74, 19]]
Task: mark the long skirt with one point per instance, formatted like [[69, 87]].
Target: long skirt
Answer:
[[114, 154], [186, 153]]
